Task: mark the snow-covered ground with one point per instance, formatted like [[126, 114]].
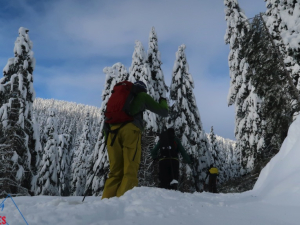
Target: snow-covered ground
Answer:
[[274, 200], [148, 206]]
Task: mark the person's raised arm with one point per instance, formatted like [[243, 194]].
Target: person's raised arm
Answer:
[[182, 151], [144, 101]]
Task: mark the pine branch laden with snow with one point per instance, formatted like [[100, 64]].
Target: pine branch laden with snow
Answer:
[[17, 96], [184, 115]]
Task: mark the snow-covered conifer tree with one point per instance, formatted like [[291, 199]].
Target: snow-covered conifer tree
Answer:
[[47, 177], [218, 156], [214, 149], [158, 85], [248, 124], [154, 61], [185, 117], [99, 159], [227, 157], [153, 123], [80, 163], [17, 96], [120, 72], [64, 159], [139, 69], [282, 20], [237, 27], [272, 91]]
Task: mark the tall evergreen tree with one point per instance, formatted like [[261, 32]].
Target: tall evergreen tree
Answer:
[[237, 27], [80, 163], [153, 123], [47, 178], [17, 96], [272, 83], [154, 61], [249, 122], [218, 153], [159, 88], [185, 118], [99, 159], [139, 69], [64, 159], [214, 149]]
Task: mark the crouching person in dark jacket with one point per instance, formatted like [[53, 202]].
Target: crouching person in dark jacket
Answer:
[[166, 151]]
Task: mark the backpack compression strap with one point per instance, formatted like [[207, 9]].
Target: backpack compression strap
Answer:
[[115, 132]]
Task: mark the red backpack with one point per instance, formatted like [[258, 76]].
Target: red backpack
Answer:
[[118, 103]]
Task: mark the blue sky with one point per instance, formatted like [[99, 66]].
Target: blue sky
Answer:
[[74, 40]]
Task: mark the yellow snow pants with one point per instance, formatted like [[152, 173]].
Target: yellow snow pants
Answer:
[[124, 159]]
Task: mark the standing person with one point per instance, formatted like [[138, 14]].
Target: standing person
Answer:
[[168, 147], [124, 115], [213, 172]]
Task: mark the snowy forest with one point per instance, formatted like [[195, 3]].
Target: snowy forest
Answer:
[[57, 148]]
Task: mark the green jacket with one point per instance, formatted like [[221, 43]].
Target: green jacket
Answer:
[[143, 102], [186, 158]]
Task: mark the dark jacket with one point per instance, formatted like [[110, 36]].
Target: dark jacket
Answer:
[[186, 158], [143, 102]]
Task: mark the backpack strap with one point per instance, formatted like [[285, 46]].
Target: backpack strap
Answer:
[[115, 132]]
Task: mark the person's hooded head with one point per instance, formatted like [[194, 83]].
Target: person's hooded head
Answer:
[[171, 132], [140, 86]]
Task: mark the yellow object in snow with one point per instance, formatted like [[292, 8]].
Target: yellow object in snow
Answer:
[[213, 170]]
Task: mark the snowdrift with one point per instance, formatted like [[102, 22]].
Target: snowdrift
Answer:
[[148, 206], [279, 181]]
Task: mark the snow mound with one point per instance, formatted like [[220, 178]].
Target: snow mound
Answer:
[[279, 181]]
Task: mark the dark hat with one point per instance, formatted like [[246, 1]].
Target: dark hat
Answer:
[[141, 84]]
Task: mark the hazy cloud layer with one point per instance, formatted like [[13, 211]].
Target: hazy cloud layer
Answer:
[[74, 40]]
